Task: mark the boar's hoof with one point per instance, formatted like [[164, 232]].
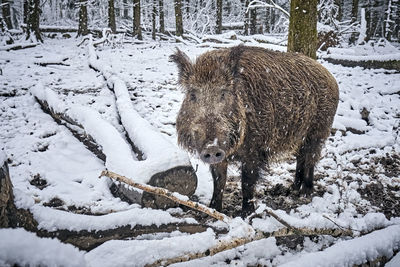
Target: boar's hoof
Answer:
[[212, 155]]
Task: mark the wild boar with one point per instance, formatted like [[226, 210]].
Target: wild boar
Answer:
[[255, 106]]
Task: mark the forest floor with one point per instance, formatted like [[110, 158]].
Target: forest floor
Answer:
[[56, 177]]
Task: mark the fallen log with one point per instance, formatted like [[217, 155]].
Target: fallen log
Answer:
[[367, 64], [101, 138], [17, 46], [175, 171], [12, 217]]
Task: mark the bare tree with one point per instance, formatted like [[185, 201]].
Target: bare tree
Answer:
[[253, 21], [153, 19], [161, 15], [111, 16], [303, 27], [6, 12], [83, 18], [218, 29], [246, 18], [32, 26], [125, 6], [137, 28], [178, 17]]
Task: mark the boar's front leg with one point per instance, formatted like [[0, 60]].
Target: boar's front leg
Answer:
[[218, 172], [307, 157], [250, 175]]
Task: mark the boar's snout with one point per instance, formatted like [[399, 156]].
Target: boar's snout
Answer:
[[212, 155]]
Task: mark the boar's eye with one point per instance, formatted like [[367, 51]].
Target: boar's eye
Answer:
[[224, 93], [192, 96]]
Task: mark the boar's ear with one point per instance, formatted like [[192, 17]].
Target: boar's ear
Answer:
[[184, 65], [234, 57]]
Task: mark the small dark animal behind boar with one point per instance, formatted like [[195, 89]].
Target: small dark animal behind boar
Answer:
[[255, 106]]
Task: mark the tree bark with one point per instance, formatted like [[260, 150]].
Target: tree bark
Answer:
[[354, 14], [218, 29], [161, 14], [253, 21], [246, 19], [178, 18], [303, 27], [33, 20], [6, 11], [339, 15], [126, 11], [111, 16], [137, 28], [153, 20], [83, 18], [25, 11]]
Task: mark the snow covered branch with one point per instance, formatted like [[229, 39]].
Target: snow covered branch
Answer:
[[258, 3]]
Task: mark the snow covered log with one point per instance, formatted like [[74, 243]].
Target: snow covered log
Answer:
[[10, 216], [162, 167], [170, 165], [17, 46], [368, 64]]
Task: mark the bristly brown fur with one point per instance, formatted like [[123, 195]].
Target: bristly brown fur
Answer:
[[258, 104]]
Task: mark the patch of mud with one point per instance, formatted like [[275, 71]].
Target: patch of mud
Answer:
[[383, 198]]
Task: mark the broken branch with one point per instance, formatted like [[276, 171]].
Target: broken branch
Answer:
[[176, 197]]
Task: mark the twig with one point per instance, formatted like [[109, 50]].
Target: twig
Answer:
[[341, 227], [178, 198]]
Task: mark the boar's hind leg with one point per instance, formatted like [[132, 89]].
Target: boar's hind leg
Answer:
[[250, 175], [218, 172], [307, 156]]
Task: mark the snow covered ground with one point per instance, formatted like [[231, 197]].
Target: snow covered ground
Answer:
[[357, 185]]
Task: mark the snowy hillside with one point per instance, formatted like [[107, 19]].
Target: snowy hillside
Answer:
[[56, 177]]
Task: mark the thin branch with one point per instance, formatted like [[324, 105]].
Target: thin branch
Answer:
[[178, 198], [257, 3]]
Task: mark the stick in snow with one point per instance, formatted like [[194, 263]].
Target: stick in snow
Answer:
[[249, 235]]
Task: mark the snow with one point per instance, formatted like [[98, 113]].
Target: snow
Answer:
[[26, 249], [148, 98], [136, 252], [51, 219], [372, 50], [394, 262], [353, 252]]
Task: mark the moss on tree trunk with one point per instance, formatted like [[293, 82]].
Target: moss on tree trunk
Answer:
[[303, 27]]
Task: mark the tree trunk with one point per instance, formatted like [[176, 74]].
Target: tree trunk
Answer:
[[303, 27], [33, 21], [354, 14], [126, 11], [111, 16], [137, 29], [83, 18], [218, 29], [178, 17], [26, 10], [267, 28], [246, 19], [253, 21], [6, 10], [153, 16], [339, 15], [161, 14]]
